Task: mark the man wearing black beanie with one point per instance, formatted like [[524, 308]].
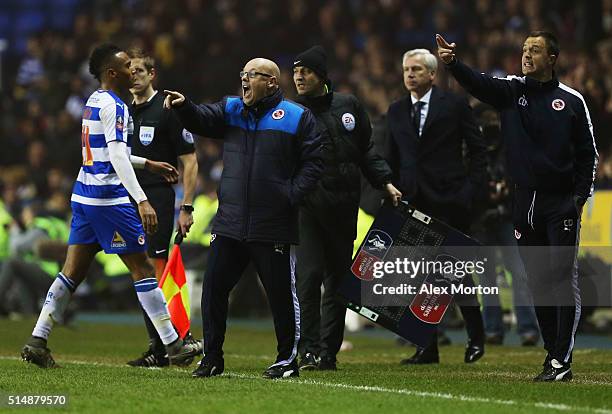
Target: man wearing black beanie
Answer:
[[314, 59], [328, 216]]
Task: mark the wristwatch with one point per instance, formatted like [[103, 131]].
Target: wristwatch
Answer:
[[187, 208]]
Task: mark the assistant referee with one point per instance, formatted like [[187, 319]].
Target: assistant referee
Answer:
[[158, 135]]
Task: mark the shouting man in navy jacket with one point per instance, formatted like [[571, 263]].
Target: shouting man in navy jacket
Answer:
[[552, 160], [271, 160]]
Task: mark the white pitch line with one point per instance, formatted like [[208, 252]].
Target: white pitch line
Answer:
[[370, 388], [429, 394]]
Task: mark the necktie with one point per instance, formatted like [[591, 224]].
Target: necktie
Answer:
[[416, 116]]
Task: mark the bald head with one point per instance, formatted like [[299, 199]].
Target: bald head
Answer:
[[264, 81], [265, 66]]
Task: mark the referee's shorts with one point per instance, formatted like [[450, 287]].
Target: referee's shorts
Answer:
[[161, 198]]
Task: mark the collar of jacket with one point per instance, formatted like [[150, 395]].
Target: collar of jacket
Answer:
[[265, 104], [316, 104], [138, 107], [536, 84]]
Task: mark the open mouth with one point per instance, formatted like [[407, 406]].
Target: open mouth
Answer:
[[246, 90], [528, 65]]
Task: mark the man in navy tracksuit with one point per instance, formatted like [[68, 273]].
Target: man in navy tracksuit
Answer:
[[552, 158], [271, 160]]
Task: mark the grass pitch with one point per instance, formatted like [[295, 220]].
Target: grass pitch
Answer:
[[95, 378]]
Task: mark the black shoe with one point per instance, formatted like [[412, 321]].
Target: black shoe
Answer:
[[530, 339], [208, 368], [36, 352], [150, 359], [327, 364], [282, 371], [555, 371], [473, 352], [422, 356], [309, 362], [494, 339], [181, 353]]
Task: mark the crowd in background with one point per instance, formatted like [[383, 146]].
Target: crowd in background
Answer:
[[201, 45]]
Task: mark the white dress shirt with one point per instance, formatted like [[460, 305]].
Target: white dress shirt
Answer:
[[424, 109]]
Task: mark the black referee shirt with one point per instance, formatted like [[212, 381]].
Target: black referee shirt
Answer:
[[159, 136]]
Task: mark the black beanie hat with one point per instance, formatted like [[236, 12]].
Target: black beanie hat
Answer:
[[314, 58]]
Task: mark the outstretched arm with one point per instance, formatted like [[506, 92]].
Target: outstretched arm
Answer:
[[206, 119], [494, 91]]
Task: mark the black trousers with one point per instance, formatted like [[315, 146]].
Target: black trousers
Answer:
[[323, 257], [275, 265], [547, 228], [460, 219]]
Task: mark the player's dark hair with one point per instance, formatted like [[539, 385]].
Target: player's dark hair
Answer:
[[101, 58], [552, 44], [147, 60]]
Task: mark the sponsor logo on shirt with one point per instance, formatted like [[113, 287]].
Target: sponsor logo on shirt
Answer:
[[118, 241], [119, 123], [348, 120]]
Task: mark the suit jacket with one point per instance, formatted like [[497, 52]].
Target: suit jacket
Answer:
[[446, 166]]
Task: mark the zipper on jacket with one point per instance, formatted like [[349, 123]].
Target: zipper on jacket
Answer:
[[251, 155]]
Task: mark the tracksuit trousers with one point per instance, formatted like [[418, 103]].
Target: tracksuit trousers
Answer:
[[324, 257], [547, 229], [275, 265]]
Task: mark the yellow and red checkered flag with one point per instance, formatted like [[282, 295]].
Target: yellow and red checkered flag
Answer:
[[174, 285]]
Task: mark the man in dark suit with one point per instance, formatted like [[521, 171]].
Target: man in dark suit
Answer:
[[427, 133]]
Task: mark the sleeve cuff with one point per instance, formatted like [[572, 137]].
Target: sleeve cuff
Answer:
[[138, 162]]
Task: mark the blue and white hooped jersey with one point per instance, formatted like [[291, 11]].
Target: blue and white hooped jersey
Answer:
[[105, 119]]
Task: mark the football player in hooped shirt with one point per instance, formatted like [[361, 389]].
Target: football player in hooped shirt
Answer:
[[160, 136], [102, 215]]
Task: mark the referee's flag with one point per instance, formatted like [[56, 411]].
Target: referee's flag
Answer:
[[174, 285]]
